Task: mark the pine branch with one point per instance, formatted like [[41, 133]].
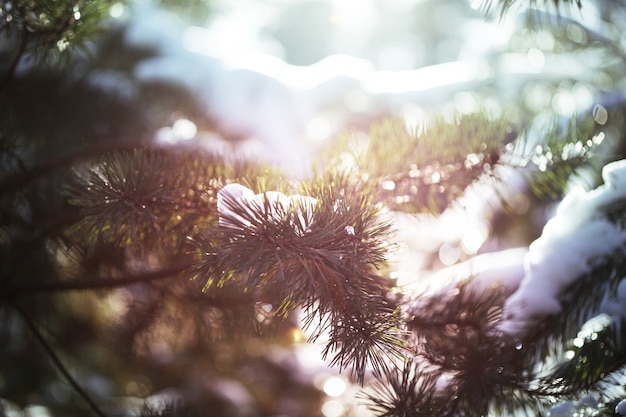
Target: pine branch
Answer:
[[424, 170], [174, 409], [368, 336], [26, 175], [323, 253], [552, 161], [19, 53], [124, 197], [98, 283], [455, 333], [51, 30], [130, 198], [579, 301], [406, 391], [598, 353], [57, 361], [505, 5], [317, 254]]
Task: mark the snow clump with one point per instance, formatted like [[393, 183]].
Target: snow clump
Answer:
[[238, 206], [578, 234]]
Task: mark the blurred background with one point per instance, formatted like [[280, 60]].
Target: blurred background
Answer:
[[282, 77]]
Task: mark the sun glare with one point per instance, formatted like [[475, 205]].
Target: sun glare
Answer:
[[353, 14]]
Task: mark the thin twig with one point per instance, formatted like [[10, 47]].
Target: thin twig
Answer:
[[57, 362], [20, 179], [94, 284], [18, 56]]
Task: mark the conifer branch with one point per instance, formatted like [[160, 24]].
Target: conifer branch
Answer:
[[23, 178], [564, 149], [598, 354], [99, 283], [19, 53], [580, 301], [366, 337], [407, 391], [439, 160], [171, 409], [57, 361], [319, 257], [505, 5], [129, 198]]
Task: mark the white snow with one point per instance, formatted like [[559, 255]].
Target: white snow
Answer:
[[615, 306], [575, 237], [498, 270], [278, 205], [574, 408], [564, 409]]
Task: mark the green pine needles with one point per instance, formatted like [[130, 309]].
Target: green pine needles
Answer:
[[46, 31], [426, 168], [130, 198], [505, 5], [320, 254]]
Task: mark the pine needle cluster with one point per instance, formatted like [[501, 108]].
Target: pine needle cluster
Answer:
[[45, 32]]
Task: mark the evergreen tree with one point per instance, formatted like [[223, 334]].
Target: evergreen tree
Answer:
[[132, 267]]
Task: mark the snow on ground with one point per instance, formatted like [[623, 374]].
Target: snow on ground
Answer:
[[578, 235]]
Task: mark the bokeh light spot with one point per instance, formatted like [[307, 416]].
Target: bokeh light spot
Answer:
[[117, 10], [474, 238], [184, 129], [333, 408], [600, 114], [449, 254], [536, 58], [335, 386]]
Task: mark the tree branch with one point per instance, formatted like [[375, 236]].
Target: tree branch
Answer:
[[20, 179], [94, 284], [57, 362], [18, 56]]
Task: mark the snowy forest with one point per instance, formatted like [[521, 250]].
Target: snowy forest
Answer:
[[312, 208]]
